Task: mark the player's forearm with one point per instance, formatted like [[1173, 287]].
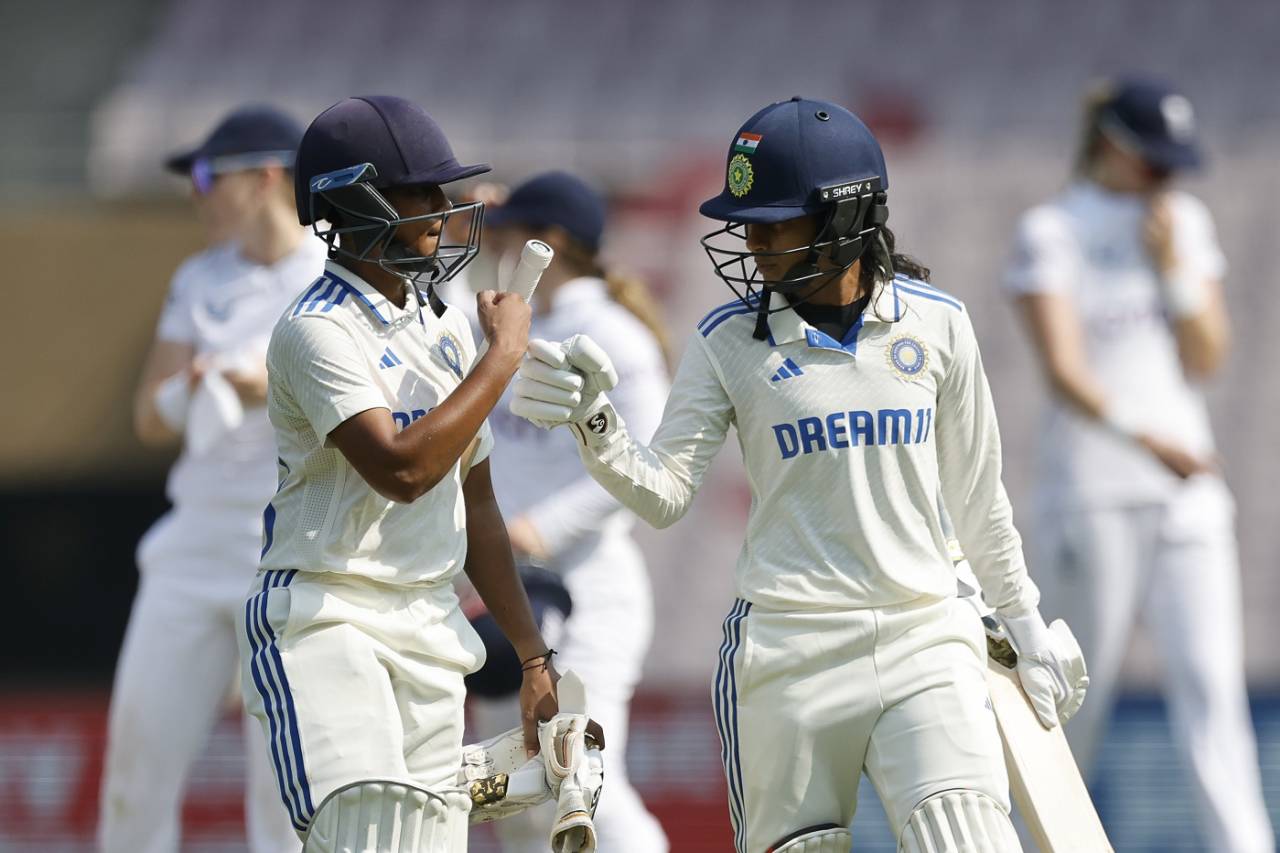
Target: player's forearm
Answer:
[[492, 573], [993, 547], [640, 478], [423, 454], [1204, 339], [148, 426], [1055, 335]]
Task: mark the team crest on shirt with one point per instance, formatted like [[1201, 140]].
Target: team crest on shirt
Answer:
[[908, 356], [741, 175], [450, 352]]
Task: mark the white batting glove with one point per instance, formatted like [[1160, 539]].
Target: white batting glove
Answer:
[[1050, 665], [564, 383]]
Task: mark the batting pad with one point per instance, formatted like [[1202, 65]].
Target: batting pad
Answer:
[[389, 817], [959, 822]]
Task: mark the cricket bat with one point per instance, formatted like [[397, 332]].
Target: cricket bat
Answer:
[[1043, 777]]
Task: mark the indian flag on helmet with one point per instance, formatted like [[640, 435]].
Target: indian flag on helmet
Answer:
[[747, 142]]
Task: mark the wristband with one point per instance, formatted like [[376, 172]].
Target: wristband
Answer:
[[1185, 294], [1121, 423], [542, 660]]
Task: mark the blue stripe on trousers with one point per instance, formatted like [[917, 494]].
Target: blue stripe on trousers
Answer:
[[725, 700], [268, 673]]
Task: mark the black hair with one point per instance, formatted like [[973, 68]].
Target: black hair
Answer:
[[886, 248]]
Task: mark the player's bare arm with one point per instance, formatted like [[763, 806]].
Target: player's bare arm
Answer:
[[405, 464], [166, 359], [1055, 332], [492, 572], [1202, 327]]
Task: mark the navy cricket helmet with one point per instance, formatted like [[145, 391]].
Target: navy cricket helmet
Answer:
[[365, 144], [797, 158]]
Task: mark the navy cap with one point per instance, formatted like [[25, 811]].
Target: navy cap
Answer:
[[555, 198], [1154, 120], [403, 142], [256, 129], [789, 158]]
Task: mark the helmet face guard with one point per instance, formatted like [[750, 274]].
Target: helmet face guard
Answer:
[[369, 222], [855, 212]]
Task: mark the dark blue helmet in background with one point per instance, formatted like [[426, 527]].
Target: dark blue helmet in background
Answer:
[[798, 158], [362, 145]]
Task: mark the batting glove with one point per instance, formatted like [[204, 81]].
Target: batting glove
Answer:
[[1050, 665], [565, 383]]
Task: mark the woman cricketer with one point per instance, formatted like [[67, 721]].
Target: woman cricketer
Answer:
[[856, 394]]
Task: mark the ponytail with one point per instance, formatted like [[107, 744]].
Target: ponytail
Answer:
[[627, 290], [1096, 98], [633, 294]]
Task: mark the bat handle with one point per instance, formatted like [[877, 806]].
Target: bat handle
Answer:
[[534, 259]]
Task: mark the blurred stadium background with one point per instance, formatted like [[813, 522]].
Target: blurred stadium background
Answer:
[[976, 105]]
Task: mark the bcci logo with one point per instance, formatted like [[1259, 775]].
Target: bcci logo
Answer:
[[450, 352], [908, 356], [741, 175]]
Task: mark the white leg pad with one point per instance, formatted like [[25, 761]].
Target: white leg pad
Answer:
[[389, 817], [828, 840], [959, 822]]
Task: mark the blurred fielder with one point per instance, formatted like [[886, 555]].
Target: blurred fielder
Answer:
[[856, 394], [1119, 280], [205, 381], [353, 643], [561, 519]]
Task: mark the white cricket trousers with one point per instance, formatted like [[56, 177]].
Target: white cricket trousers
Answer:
[[604, 641], [354, 680], [1176, 565], [806, 700], [176, 671]]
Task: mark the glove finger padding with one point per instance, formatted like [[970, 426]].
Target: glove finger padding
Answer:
[[543, 414], [590, 358], [1071, 662], [533, 389], [548, 352], [541, 371]]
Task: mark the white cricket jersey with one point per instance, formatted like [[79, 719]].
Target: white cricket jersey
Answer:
[[535, 471], [224, 306], [343, 348], [846, 445], [1087, 244]]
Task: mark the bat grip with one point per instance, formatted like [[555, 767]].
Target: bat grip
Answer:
[[534, 258]]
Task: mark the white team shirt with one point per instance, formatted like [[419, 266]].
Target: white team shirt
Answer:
[[224, 306], [343, 348], [1087, 244], [846, 445], [535, 471]]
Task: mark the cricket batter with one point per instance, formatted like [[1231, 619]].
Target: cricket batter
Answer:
[[560, 518], [179, 656], [353, 643], [1119, 280], [856, 393]]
